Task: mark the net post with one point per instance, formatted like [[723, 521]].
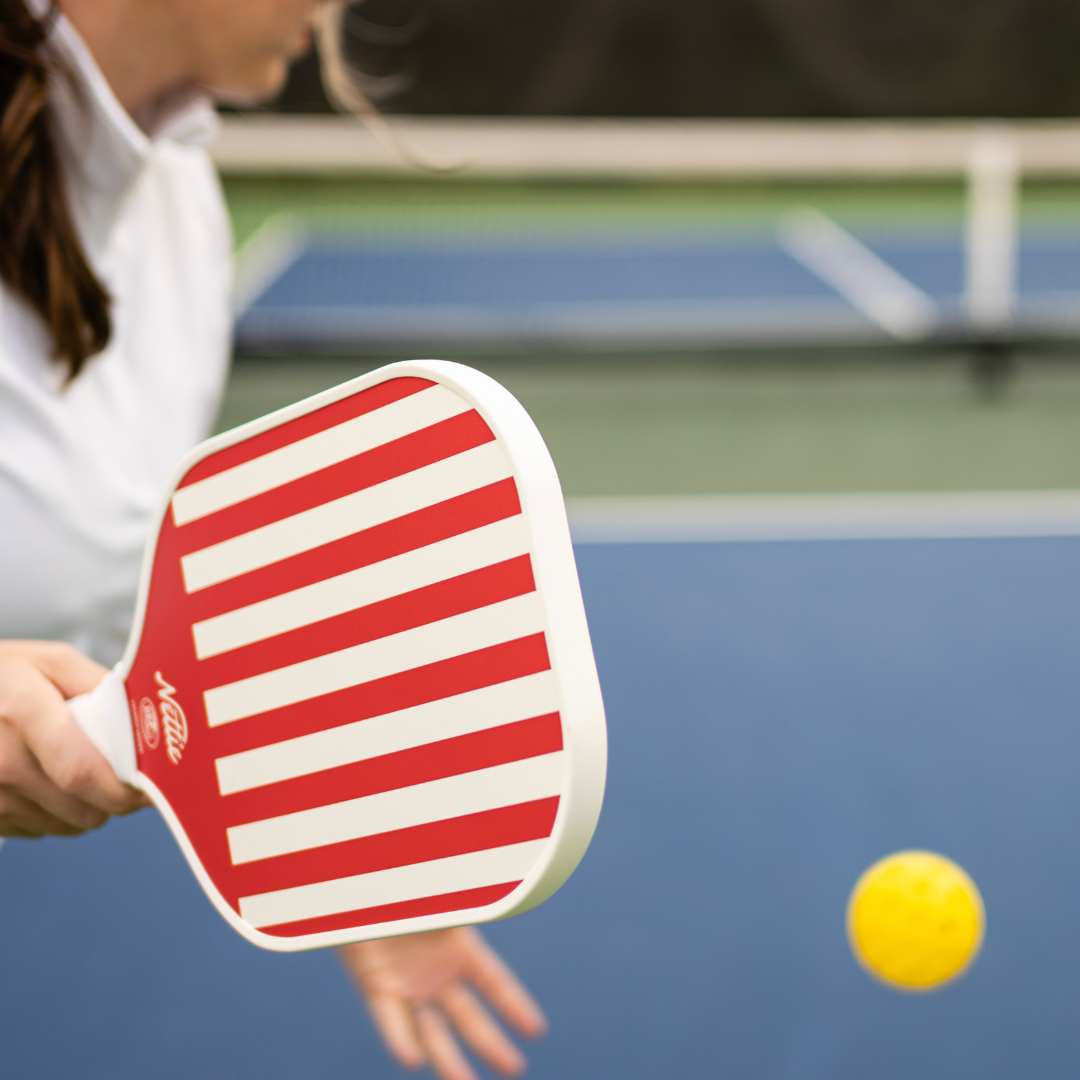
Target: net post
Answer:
[[991, 253]]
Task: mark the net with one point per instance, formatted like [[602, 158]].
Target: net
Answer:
[[652, 235]]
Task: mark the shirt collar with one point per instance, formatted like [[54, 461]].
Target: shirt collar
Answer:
[[103, 148]]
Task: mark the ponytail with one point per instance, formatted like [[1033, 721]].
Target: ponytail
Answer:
[[41, 257]]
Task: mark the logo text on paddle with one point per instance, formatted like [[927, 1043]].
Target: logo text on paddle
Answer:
[[148, 722], [173, 720]]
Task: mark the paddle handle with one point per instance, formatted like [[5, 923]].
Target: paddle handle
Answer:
[[104, 718]]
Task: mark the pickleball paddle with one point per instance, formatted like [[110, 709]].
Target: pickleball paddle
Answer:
[[359, 685]]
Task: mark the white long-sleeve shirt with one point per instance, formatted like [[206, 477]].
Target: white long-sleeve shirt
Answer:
[[82, 466]]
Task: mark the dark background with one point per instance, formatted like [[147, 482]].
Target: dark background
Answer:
[[700, 58]]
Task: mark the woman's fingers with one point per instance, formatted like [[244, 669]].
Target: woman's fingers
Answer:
[[32, 705], [22, 777], [63, 665], [20, 817], [393, 1019], [73, 814], [424, 989], [501, 987], [443, 1053], [482, 1034], [72, 762]]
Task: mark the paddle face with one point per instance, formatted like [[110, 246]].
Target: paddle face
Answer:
[[363, 693]]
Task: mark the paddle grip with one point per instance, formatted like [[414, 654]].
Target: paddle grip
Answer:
[[104, 719]]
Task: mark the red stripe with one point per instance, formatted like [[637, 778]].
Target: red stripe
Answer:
[[417, 765], [432, 682], [432, 603], [409, 909], [434, 443], [458, 515], [310, 424], [402, 847]]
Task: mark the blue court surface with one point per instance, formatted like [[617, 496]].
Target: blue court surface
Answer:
[[618, 289], [782, 714]]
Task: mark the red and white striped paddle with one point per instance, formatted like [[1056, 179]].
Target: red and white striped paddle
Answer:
[[360, 686]]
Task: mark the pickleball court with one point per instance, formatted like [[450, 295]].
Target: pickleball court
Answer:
[[781, 713], [787, 701]]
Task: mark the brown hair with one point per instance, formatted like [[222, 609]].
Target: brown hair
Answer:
[[41, 256]]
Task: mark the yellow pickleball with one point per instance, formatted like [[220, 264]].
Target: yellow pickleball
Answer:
[[915, 920]]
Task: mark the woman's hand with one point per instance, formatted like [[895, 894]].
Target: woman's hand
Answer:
[[52, 778], [421, 987]]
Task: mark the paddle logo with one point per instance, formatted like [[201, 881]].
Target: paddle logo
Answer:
[[149, 724], [173, 720]]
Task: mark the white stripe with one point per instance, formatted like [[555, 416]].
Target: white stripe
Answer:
[[350, 514], [447, 718], [448, 558], [472, 630], [316, 452], [476, 870], [403, 808]]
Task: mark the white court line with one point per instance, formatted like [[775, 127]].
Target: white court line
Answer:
[[350, 514], [864, 279], [264, 257], [403, 573], [427, 644], [401, 808], [495, 866], [636, 323], [318, 451], [462, 714], [841, 516]]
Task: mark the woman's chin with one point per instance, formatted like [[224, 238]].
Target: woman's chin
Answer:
[[253, 85]]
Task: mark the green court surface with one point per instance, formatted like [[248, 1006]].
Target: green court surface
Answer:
[[427, 207], [663, 425]]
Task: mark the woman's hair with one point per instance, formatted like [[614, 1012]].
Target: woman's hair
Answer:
[[41, 256], [350, 89]]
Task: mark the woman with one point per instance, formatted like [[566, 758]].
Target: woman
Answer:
[[114, 332]]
